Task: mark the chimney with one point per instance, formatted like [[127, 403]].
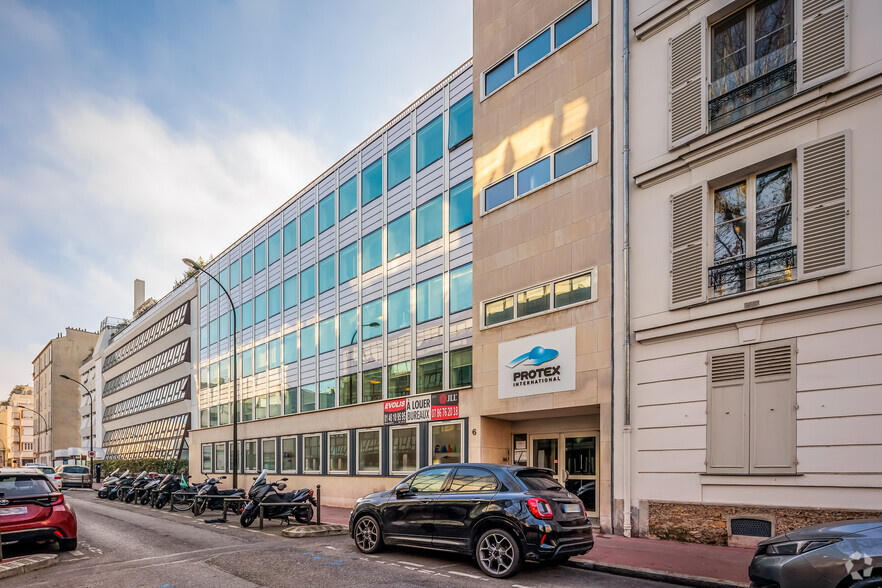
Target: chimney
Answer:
[[139, 293]]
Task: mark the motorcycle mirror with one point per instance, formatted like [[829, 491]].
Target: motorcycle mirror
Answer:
[[402, 489], [281, 486], [223, 477], [283, 480]]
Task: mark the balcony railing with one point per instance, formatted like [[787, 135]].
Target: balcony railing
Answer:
[[760, 271]]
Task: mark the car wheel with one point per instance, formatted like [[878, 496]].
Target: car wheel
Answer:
[[368, 537], [67, 544], [874, 582], [498, 554]]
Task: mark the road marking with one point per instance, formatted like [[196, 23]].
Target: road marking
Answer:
[[77, 553], [334, 548], [472, 576], [519, 586]]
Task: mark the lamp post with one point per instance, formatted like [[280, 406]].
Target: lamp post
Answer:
[[91, 424], [42, 418], [189, 262]]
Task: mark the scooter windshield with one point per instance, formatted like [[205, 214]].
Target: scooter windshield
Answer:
[[261, 479], [141, 476], [124, 474], [165, 479]]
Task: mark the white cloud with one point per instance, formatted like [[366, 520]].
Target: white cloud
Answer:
[[118, 195]]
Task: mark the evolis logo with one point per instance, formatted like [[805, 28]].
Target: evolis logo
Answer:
[[536, 356], [396, 404]]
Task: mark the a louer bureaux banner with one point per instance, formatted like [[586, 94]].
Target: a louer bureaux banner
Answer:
[[417, 409], [538, 364]]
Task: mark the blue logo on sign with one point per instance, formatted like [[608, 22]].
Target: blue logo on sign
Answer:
[[536, 356]]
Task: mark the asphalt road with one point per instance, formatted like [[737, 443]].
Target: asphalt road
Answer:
[[136, 546]]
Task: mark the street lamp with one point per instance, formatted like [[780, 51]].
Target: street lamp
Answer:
[[235, 411], [91, 425], [42, 418]]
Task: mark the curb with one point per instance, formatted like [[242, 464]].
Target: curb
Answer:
[[23, 565], [303, 531], [658, 576]]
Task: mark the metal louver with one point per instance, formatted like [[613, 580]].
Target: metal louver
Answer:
[[686, 85], [772, 361], [727, 367]]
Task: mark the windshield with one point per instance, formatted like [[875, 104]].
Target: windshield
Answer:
[[261, 479], [141, 476], [166, 478], [124, 474]]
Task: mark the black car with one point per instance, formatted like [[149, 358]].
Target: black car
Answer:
[[502, 515]]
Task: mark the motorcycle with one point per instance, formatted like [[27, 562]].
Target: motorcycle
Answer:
[[148, 488], [263, 493], [123, 485], [127, 493], [113, 487], [170, 483], [210, 497], [109, 480]]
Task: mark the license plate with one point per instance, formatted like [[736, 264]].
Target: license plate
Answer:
[[572, 507], [13, 510]]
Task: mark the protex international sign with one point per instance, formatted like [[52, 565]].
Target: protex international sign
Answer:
[[417, 409], [538, 364]]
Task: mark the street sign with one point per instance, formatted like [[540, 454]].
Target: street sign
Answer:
[[91, 454]]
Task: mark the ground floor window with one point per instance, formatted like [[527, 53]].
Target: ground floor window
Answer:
[[369, 451], [338, 453], [220, 457], [312, 454], [206, 457], [404, 450], [268, 455], [251, 456], [289, 455], [446, 442]]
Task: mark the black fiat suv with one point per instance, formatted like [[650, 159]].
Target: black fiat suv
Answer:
[[502, 515]]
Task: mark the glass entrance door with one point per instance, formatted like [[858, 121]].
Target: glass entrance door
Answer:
[[573, 458], [544, 453]]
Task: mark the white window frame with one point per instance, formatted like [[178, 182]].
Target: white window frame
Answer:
[[245, 456], [416, 466], [434, 424], [210, 458], [346, 469], [282, 450], [358, 469], [553, 180], [320, 456], [275, 455], [514, 53], [592, 271], [226, 460]]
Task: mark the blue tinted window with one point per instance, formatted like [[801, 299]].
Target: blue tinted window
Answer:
[[430, 299], [307, 225], [307, 342], [348, 262], [212, 331], [246, 266], [372, 250], [460, 124], [274, 301], [290, 237], [535, 176], [497, 76], [372, 181], [307, 398], [203, 294], [247, 363], [534, 50], [260, 308], [326, 212], [572, 24], [225, 325], [499, 193], [290, 347], [326, 274], [274, 353], [430, 143], [348, 197], [290, 293], [398, 307], [348, 327], [247, 314], [224, 277], [461, 288], [370, 319], [573, 157], [327, 393], [203, 337], [260, 257], [235, 274], [461, 204], [307, 283], [429, 221], [398, 241], [274, 248], [327, 335], [212, 291], [259, 359], [399, 164]]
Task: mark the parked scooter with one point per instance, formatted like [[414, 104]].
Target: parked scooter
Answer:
[[138, 487], [263, 493], [170, 483], [146, 491], [128, 490], [113, 486], [210, 497], [108, 481], [123, 485]]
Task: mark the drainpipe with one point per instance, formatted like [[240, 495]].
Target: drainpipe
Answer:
[[612, 271], [626, 258]]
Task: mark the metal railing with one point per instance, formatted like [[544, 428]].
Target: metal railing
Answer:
[[760, 271]]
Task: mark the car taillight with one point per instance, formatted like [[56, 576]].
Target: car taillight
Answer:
[[55, 499], [540, 508]]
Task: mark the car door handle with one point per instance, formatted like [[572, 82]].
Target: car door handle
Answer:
[[476, 499], [426, 500]]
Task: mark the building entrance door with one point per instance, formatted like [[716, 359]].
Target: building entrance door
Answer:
[[573, 458]]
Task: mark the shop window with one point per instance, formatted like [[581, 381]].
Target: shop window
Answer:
[[403, 450], [372, 385], [446, 442], [338, 453], [312, 454], [368, 451], [289, 455]]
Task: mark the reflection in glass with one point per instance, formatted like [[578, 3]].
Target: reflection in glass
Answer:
[[338, 452], [312, 453], [573, 290], [369, 451], [446, 443], [398, 379], [404, 450], [534, 300], [534, 50], [499, 311], [430, 373], [372, 385]]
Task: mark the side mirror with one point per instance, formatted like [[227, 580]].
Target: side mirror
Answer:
[[402, 489], [223, 477], [283, 480]]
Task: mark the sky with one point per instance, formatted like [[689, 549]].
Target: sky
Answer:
[[135, 133]]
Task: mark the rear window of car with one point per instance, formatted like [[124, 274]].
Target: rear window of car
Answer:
[[74, 470], [15, 486], [538, 481], [46, 470]]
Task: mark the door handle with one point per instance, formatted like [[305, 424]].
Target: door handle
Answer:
[[476, 500], [426, 500]]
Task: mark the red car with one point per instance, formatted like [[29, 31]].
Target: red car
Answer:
[[32, 509]]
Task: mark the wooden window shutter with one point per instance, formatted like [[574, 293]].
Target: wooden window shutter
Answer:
[[688, 268], [824, 198], [687, 99], [773, 408], [822, 40], [727, 412]]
